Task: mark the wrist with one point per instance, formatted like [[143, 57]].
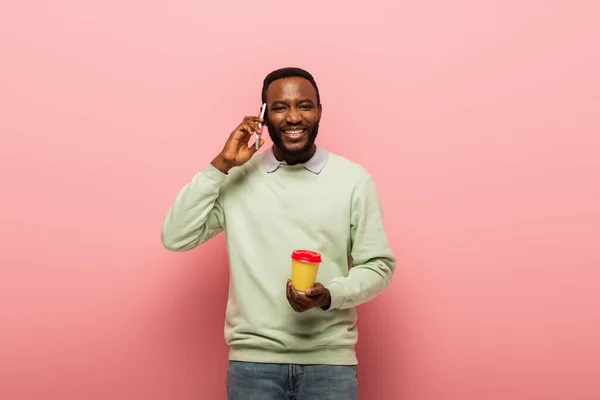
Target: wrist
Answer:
[[326, 303], [220, 163]]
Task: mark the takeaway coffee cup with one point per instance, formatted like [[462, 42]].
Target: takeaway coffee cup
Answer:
[[305, 265]]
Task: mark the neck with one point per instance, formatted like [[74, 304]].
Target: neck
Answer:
[[296, 158]]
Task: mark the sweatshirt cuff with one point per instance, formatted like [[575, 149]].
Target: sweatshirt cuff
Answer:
[[212, 176], [338, 295]]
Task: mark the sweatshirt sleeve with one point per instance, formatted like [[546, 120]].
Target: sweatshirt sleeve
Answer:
[[196, 214], [373, 260]]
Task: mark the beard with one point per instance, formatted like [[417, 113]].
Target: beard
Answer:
[[275, 135]]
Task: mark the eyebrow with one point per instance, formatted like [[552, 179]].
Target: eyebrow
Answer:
[[304, 100]]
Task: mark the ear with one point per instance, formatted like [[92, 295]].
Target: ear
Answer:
[[320, 108]]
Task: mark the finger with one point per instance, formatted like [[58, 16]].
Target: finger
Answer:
[[250, 127], [254, 126], [288, 293], [294, 293], [298, 301], [306, 302], [245, 132], [294, 306], [255, 119], [314, 292], [258, 118], [261, 121]]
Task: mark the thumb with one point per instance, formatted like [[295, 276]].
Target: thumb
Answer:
[[316, 291]]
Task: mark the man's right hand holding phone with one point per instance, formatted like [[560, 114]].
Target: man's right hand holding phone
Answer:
[[237, 150]]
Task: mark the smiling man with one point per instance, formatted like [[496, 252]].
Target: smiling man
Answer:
[[293, 121], [295, 195]]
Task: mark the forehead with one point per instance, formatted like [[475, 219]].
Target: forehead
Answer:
[[290, 89]]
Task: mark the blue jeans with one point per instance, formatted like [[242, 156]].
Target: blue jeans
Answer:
[[257, 381]]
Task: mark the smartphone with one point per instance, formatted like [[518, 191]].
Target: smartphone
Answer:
[[262, 115]]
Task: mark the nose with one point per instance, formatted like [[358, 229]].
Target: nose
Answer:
[[293, 116]]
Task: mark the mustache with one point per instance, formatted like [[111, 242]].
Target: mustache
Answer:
[[276, 133]]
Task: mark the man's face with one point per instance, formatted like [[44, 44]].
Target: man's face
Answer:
[[293, 115]]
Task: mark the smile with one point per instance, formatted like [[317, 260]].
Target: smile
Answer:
[[294, 132]]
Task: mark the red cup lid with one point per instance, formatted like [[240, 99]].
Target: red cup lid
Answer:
[[306, 256]]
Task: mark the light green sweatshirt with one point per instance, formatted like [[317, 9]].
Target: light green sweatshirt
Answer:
[[265, 216]]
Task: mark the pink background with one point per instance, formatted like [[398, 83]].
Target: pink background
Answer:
[[478, 120]]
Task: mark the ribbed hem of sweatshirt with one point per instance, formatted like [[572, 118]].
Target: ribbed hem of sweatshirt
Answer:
[[338, 295], [212, 176], [330, 355]]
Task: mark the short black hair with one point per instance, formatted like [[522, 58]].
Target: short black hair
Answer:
[[288, 72]]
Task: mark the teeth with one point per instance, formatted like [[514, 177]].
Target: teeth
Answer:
[[297, 132]]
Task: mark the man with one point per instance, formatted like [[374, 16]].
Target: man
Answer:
[[285, 344]]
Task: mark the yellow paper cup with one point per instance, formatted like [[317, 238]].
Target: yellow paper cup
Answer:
[[305, 265]]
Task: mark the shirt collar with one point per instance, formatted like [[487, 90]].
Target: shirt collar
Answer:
[[315, 164]]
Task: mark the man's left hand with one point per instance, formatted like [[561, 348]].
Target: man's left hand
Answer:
[[317, 296]]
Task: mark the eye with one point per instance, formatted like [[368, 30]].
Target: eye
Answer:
[[277, 108], [305, 107]]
